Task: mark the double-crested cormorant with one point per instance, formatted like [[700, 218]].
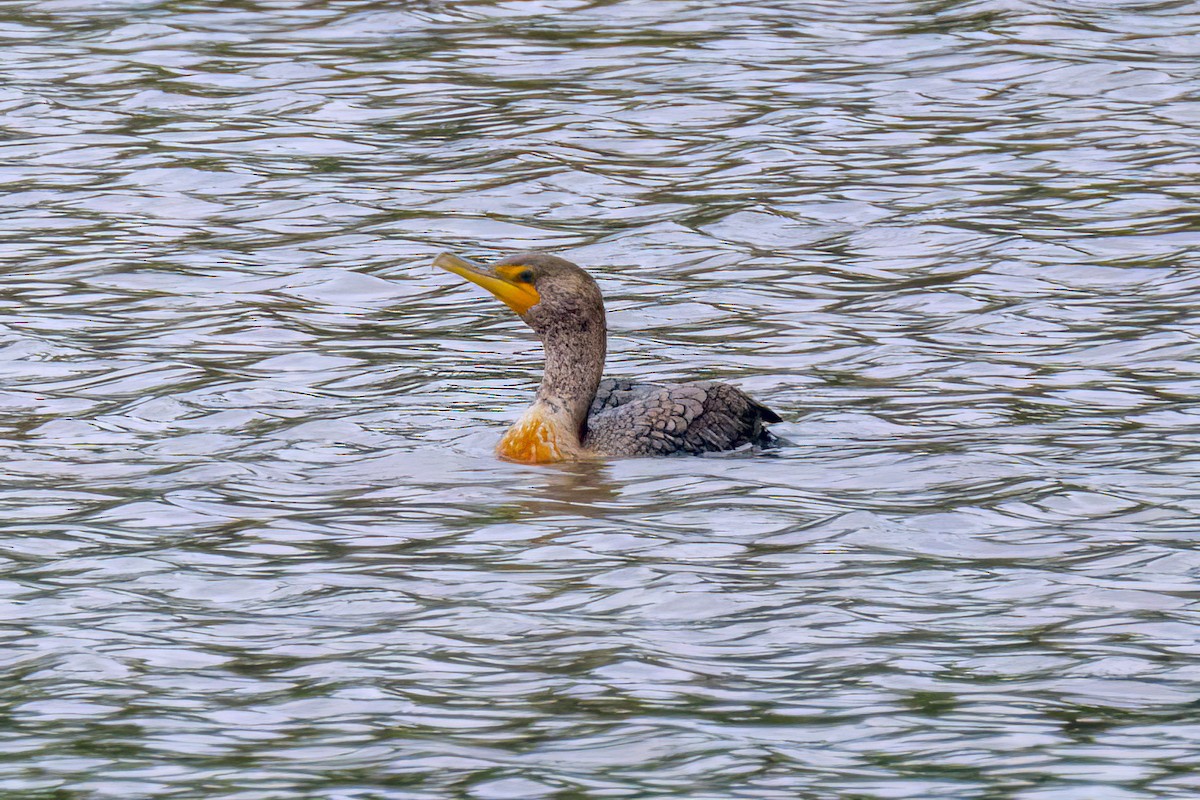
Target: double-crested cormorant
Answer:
[[576, 414]]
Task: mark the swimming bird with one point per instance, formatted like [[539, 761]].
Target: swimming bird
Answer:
[[578, 415]]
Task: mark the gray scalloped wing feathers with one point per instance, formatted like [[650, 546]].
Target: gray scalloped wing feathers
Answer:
[[649, 419]]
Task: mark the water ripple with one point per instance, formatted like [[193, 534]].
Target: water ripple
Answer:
[[256, 542]]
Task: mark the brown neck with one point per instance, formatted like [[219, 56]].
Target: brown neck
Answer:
[[574, 365], [552, 429]]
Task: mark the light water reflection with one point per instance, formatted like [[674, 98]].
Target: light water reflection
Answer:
[[255, 542]]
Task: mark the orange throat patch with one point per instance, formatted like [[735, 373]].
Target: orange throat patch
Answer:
[[535, 439]]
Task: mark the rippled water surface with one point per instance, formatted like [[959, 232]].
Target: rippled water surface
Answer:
[[256, 545]]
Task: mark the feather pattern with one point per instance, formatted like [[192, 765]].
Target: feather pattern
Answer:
[[647, 419]]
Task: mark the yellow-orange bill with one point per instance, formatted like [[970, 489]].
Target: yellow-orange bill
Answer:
[[518, 296]]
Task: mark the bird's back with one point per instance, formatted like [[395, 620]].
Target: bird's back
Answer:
[[648, 419]]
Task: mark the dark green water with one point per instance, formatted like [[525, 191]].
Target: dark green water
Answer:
[[256, 547]]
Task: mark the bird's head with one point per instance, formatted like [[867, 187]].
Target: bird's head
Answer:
[[549, 293]]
